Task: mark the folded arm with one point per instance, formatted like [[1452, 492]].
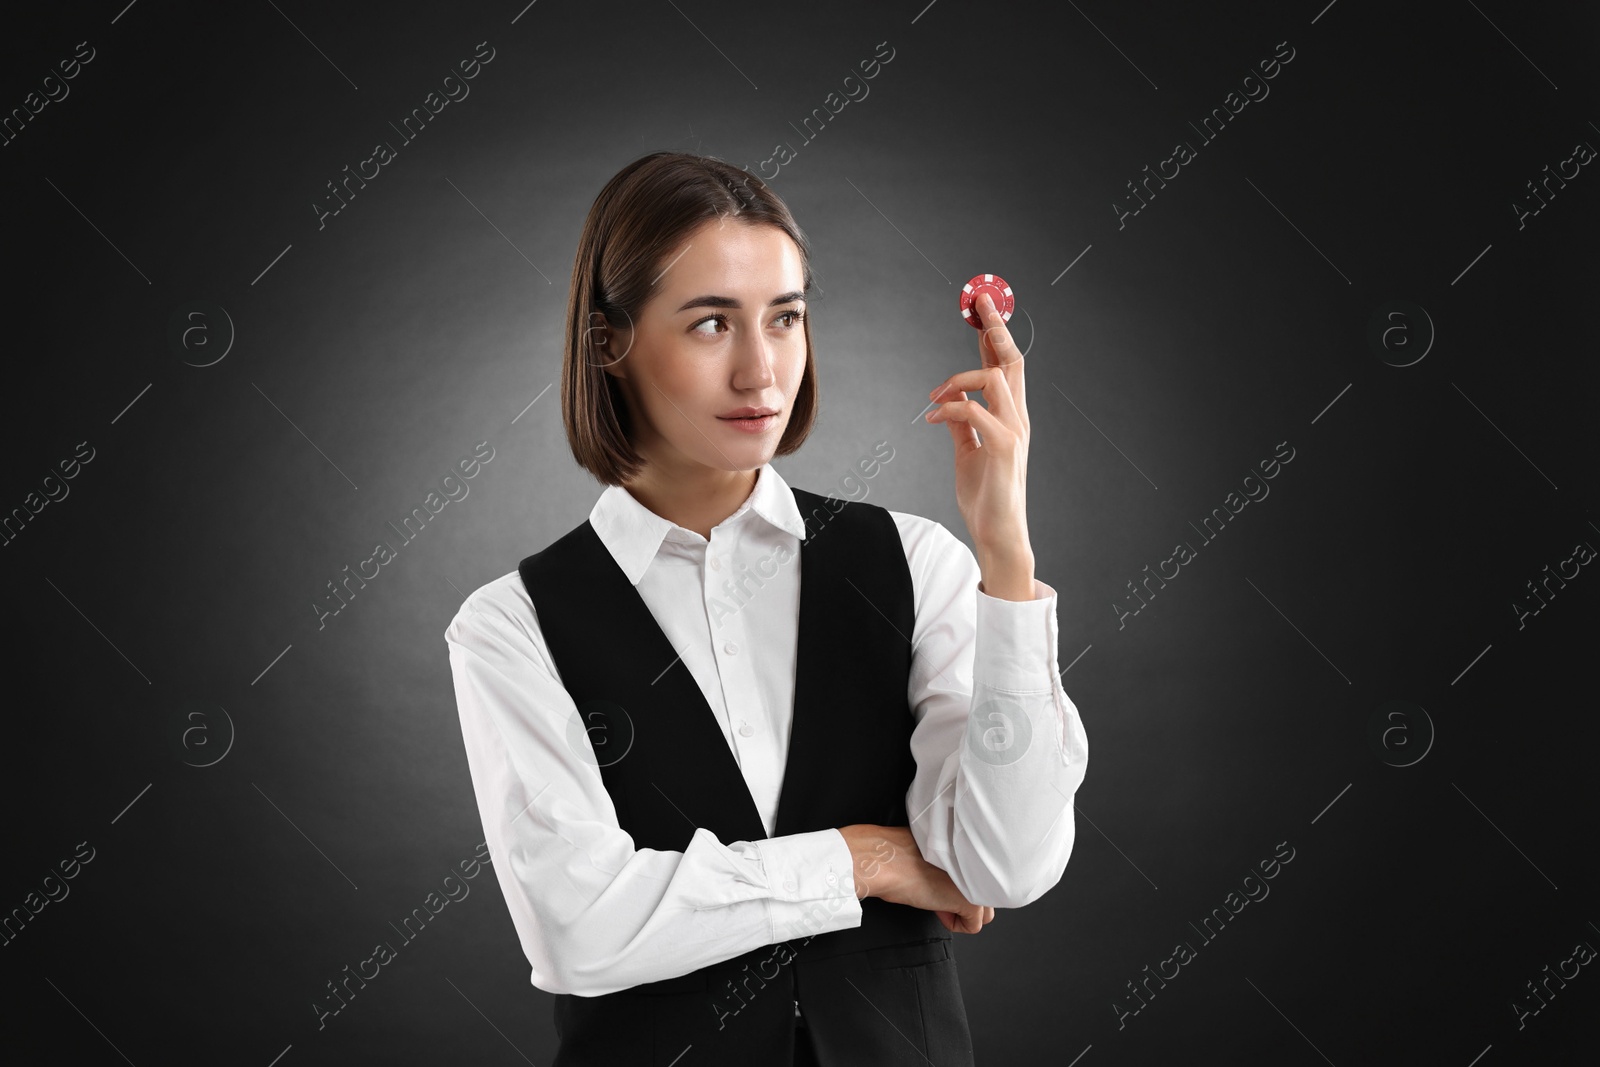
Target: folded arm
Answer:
[[593, 913]]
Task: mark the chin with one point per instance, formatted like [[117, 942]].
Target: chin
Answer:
[[750, 457]]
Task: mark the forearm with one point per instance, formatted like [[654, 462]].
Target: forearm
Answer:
[[597, 922], [871, 854], [885, 859], [889, 864]]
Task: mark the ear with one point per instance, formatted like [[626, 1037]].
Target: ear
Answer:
[[609, 344]]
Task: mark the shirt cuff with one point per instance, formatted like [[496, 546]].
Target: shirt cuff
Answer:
[[1016, 641], [812, 884]]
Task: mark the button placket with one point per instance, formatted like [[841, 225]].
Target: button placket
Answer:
[[731, 680]]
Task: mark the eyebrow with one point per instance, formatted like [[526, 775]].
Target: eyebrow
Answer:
[[729, 302]]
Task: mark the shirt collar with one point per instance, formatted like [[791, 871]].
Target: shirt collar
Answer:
[[633, 533]]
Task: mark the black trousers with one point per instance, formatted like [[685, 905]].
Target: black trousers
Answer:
[[896, 1006], [804, 1054]]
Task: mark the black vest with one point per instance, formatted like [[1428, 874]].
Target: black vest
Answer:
[[885, 992]]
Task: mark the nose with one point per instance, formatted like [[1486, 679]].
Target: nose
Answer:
[[752, 361]]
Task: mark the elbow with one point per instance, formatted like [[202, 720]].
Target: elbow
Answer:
[[565, 978], [549, 974], [1042, 870], [572, 965], [549, 983], [1023, 884], [1006, 889], [550, 955], [568, 946], [1019, 894]]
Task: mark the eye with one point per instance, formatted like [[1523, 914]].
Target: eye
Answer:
[[787, 320]]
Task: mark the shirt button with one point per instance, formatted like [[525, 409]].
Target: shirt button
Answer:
[[832, 879], [716, 564], [745, 729], [730, 648], [789, 884]]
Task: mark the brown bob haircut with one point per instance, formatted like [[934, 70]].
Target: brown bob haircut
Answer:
[[641, 216]]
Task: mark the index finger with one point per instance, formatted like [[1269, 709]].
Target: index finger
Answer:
[[1000, 350]]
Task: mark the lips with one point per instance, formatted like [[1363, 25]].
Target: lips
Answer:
[[751, 424]]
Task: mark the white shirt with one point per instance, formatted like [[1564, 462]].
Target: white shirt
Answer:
[[596, 915]]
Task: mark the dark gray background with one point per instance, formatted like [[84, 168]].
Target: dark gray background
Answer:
[[1232, 314]]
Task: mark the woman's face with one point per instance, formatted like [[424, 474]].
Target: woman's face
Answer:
[[722, 332]]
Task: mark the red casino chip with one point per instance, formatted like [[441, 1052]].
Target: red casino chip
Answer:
[[999, 292]]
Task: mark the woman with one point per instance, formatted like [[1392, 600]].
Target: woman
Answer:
[[723, 734]]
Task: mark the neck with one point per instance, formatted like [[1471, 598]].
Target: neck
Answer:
[[695, 499]]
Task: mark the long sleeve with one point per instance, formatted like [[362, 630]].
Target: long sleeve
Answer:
[[593, 913], [1000, 747]]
